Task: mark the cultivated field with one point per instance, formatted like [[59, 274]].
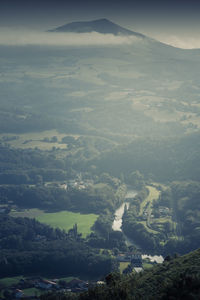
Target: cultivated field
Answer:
[[153, 195], [36, 139], [63, 220]]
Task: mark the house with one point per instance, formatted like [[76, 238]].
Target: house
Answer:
[[72, 183], [77, 285], [4, 209], [18, 294], [40, 237], [45, 284], [124, 257], [88, 182], [81, 186], [136, 260], [100, 282], [163, 210], [63, 186]]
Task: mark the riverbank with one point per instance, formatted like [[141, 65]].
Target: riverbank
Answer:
[[117, 223]]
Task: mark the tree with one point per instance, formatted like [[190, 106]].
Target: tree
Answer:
[[136, 179]]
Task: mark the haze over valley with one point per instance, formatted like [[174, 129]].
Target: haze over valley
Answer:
[[99, 159]]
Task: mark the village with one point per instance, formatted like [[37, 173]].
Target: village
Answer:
[[78, 184], [33, 287], [159, 212]]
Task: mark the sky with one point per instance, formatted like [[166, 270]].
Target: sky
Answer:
[[176, 22]]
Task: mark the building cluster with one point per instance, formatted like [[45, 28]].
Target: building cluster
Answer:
[[163, 210], [5, 209], [135, 259], [160, 212], [79, 184], [18, 291], [73, 184]]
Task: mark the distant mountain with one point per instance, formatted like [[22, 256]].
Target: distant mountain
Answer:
[[102, 26]]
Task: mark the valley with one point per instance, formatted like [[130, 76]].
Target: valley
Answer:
[[99, 161]]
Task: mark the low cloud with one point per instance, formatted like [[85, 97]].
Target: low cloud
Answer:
[[23, 37], [184, 40], [187, 42]]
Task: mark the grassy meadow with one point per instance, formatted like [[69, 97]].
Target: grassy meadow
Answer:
[[8, 281], [153, 195], [123, 266], [63, 219], [36, 139]]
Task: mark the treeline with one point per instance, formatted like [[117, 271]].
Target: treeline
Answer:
[[19, 166], [166, 159], [140, 235], [185, 198], [33, 176], [94, 199], [29, 247], [10, 121], [25, 196], [32, 166], [104, 236]]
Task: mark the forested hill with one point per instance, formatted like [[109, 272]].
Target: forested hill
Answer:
[[176, 278], [31, 248]]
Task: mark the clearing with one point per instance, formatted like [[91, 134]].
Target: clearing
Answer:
[[63, 219]]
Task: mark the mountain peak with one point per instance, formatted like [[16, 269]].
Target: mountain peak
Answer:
[[103, 26]]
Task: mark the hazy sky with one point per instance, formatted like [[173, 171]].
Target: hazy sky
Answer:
[[166, 20]]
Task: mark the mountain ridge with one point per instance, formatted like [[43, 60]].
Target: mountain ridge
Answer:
[[103, 26]]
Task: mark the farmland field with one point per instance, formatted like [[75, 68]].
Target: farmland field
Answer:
[[123, 266], [8, 281], [153, 194], [63, 220], [35, 139]]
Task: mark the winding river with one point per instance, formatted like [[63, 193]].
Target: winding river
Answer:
[[117, 223]]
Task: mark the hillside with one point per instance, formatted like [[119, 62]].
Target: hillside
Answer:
[[177, 278]]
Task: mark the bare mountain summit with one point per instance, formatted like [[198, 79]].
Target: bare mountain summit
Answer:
[[101, 26]]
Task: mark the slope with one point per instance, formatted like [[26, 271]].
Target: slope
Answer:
[[101, 25], [177, 278]]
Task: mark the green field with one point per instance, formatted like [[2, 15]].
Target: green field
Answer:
[[36, 139], [123, 266], [33, 292], [147, 265], [8, 281], [63, 220], [66, 220]]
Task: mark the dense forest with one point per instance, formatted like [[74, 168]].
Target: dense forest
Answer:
[[164, 160], [31, 248]]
